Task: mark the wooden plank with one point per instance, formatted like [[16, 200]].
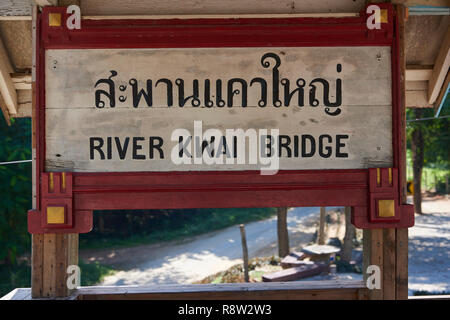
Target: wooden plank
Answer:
[[73, 249], [429, 3], [293, 259], [174, 7], [420, 73], [43, 3], [440, 69], [52, 254], [417, 99], [329, 289], [389, 262], [317, 249], [401, 12], [49, 266], [226, 16], [244, 252], [401, 235], [72, 118], [22, 81], [401, 264], [295, 273], [329, 294], [322, 236], [15, 8], [373, 255], [61, 257], [37, 263]]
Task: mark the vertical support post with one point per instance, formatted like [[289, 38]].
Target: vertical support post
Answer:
[[282, 231], [389, 261], [244, 252], [37, 262], [401, 235], [321, 237], [373, 255], [350, 231], [51, 253], [388, 248]]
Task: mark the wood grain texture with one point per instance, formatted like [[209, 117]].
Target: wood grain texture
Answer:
[[71, 115], [61, 264], [373, 255], [389, 262], [49, 266], [15, 8], [308, 290], [51, 255], [401, 264], [180, 7], [401, 235], [37, 262]]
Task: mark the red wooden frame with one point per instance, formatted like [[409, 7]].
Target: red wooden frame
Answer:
[[85, 192]]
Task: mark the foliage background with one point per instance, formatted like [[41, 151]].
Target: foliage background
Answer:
[[436, 133], [15, 201]]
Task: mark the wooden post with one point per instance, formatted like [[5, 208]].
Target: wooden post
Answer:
[[51, 255], [283, 235], [401, 235], [388, 248], [373, 255], [350, 231], [321, 237], [244, 252]]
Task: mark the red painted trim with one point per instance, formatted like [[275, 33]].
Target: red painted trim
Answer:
[[144, 190]]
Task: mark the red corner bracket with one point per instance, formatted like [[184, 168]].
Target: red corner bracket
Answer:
[[57, 214], [383, 208]]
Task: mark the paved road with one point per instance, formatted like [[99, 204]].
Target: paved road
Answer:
[[207, 254]]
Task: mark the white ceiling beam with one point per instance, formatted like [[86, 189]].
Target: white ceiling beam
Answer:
[[22, 81], [440, 69], [416, 94], [7, 89], [443, 95], [418, 73]]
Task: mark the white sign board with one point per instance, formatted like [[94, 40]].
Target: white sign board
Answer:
[[114, 110]]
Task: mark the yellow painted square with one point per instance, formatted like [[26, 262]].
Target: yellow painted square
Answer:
[[384, 16], [55, 215], [54, 19], [386, 208]]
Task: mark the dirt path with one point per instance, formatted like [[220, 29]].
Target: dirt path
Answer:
[[429, 248], [204, 255]]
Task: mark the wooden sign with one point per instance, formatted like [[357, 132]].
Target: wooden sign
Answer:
[[217, 113], [110, 110]]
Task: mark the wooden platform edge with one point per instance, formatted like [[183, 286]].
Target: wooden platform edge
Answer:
[[301, 290]]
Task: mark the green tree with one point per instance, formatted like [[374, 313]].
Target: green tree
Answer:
[[429, 141], [15, 189]]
